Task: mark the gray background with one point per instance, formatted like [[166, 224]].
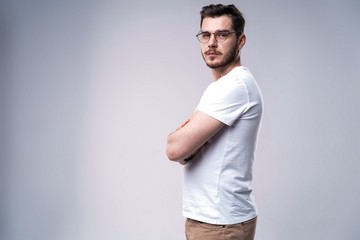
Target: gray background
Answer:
[[90, 89]]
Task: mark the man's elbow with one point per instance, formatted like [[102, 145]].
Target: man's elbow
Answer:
[[171, 154]]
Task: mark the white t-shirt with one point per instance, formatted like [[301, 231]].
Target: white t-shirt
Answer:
[[217, 181]]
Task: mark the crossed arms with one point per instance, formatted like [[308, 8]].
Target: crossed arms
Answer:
[[191, 136]]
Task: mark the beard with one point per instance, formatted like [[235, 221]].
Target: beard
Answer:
[[228, 59]]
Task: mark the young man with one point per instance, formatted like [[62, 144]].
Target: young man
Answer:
[[217, 144]]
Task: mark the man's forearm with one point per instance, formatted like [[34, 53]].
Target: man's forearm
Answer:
[[191, 136], [172, 138]]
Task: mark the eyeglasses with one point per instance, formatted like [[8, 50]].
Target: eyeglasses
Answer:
[[220, 36]]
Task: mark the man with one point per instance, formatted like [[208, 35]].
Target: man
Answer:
[[217, 144]]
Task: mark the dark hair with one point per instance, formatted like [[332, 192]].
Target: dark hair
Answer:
[[218, 10]]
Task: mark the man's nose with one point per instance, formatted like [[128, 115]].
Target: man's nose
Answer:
[[212, 41]]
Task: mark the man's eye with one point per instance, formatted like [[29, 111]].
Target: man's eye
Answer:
[[223, 34]]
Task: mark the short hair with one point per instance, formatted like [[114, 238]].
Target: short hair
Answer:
[[218, 10]]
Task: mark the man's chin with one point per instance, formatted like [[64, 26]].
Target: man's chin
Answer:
[[213, 65]]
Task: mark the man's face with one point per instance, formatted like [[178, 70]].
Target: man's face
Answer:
[[215, 54]]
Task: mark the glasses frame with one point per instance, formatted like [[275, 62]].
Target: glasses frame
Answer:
[[216, 35]]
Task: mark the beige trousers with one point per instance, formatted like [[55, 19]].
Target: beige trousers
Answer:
[[196, 230]]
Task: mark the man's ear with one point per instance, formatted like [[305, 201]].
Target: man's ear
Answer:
[[242, 41]]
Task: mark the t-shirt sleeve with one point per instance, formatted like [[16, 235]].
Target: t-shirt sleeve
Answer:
[[225, 101]]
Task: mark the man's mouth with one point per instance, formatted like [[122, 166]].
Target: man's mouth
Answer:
[[212, 53]]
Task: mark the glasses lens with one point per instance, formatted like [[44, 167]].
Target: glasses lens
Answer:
[[221, 36], [203, 37]]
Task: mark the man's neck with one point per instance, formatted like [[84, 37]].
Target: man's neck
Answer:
[[220, 72]]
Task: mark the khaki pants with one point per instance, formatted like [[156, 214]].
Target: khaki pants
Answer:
[[196, 230]]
